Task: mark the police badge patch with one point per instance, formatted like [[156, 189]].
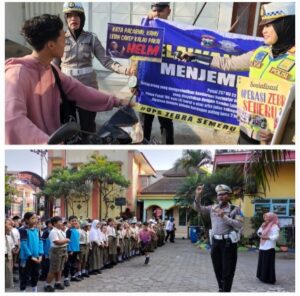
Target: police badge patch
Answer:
[[286, 65], [257, 62], [208, 41], [260, 56], [280, 73]]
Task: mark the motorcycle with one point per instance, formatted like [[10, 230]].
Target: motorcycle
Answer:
[[122, 128]]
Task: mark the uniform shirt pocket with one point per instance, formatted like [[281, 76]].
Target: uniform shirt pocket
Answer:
[[85, 50]]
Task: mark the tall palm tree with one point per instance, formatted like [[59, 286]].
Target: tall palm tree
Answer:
[[192, 160]]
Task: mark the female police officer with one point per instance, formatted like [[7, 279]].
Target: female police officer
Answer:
[[80, 47], [274, 61]]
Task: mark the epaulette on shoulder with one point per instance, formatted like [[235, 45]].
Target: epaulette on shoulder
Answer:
[[214, 206], [292, 50], [263, 48]]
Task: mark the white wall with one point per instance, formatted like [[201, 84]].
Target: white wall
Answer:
[[14, 18], [216, 15]]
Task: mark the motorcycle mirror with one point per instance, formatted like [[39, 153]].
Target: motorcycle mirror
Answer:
[[132, 81], [65, 132]]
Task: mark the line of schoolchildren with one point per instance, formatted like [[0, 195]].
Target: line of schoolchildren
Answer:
[[72, 250]]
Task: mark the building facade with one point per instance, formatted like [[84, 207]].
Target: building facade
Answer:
[[280, 196], [133, 166], [27, 185], [159, 200], [220, 16]]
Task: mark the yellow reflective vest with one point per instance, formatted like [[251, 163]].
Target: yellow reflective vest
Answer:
[[264, 66]]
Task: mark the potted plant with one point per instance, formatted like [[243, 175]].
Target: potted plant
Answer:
[[282, 241]]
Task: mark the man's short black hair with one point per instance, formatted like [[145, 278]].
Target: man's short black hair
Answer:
[[55, 219], [72, 217], [48, 222], [41, 29], [28, 215], [159, 6]]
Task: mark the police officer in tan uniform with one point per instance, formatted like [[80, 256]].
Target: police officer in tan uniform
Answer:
[[80, 48], [226, 221], [275, 61]]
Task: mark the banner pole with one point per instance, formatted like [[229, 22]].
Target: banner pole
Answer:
[[199, 13]]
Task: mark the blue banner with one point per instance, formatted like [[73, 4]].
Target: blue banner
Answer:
[[193, 92], [128, 41]]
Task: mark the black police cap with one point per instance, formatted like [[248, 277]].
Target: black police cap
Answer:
[[160, 5]]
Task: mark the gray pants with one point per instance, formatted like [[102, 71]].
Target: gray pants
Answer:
[[9, 283]]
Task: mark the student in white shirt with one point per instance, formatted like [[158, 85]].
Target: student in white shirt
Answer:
[[57, 254], [9, 247]]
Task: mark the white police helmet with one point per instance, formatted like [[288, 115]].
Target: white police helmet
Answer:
[[73, 7], [273, 11], [221, 189]]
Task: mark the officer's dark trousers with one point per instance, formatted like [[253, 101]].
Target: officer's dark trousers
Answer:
[[165, 124], [224, 257]]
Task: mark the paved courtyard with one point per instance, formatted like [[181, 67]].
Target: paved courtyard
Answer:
[[181, 267]]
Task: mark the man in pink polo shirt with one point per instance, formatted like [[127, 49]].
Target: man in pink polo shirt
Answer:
[[32, 97]]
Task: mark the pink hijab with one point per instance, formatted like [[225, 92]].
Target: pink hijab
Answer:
[[267, 226]]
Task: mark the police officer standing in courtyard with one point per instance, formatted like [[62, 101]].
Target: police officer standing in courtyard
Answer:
[[227, 221]]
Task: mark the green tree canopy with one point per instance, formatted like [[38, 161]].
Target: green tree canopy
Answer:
[[108, 176], [10, 190], [192, 160]]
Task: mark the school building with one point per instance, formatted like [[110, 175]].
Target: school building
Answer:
[[27, 185], [159, 200], [280, 196], [133, 166]]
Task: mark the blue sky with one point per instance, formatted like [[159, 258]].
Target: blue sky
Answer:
[[17, 160], [24, 160]]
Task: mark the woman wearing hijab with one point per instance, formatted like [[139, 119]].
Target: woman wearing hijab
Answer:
[[268, 233], [275, 61], [96, 262]]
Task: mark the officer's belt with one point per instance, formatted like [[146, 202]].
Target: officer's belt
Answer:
[[77, 71], [221, 236]]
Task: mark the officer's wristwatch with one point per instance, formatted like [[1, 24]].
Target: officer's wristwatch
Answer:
[[132, 81]]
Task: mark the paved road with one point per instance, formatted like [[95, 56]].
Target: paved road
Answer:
[[181, 267]]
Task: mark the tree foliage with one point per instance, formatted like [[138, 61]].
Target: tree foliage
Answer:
[[261, 165], [192, 160], [66, 183], [109, 178], [73, 183], [10, 190]]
